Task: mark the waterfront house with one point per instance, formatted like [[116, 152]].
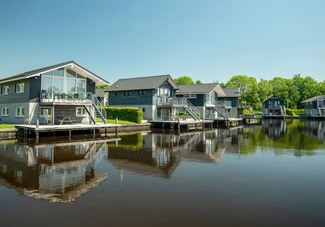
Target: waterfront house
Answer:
[[202, 96], [57, 94], [155, 95], [273, 107], [315, 107], [228, 102]]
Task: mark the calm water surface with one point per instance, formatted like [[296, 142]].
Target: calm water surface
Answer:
[[270, 175]]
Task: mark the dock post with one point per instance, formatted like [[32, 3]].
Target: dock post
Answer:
[[37, 136], [69, 134], [94, 133], [116, 131]]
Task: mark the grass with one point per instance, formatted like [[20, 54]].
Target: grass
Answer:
[[6, 126], [121, 122]]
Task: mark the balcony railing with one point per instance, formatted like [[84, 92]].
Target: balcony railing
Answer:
[[171, 101], [224, 104], [52, 97]]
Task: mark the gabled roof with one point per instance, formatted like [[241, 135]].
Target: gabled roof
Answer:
[[271, 96], [142, 83], [197, 88], [36, 72], [100, 92], [232, 92], [314, 99]]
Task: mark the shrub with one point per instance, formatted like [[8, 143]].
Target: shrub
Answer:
[[132, 114], [294, 112]]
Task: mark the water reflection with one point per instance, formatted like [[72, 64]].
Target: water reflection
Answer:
[[58, 172], [64, 170]]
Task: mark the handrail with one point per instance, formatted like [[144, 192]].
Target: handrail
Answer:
[[99, 107]]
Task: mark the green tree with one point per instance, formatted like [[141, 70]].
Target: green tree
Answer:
[[249, 88], [184, 80]]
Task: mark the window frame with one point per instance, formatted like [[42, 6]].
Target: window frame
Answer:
[[19, 85], [21, 109], [6, 91], [83, 111], [6, 112]]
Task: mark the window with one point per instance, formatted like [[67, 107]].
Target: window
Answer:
[[46, 111], [20, 112], [4, 111], [127, 93], [143, 110], [80, 112], [142, 92], [5, 90], [19, 88], [189, 96]]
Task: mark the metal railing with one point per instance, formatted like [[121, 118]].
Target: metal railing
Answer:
[[225, 104], [99, 108], [52, 97], [167, 100]]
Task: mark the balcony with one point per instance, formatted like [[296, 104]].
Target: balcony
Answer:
[[223, 104], [66, 98], [171, 101]]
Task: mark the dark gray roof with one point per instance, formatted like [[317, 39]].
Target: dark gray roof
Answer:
[[100, 92], [141, 83], [271, 97], [40, 70], [196, 88], [314, 99], [232, 92]]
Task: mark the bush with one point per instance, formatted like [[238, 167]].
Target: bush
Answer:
[[294, 112], [132, 114]]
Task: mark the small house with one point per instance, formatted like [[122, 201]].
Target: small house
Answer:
[[315, 107], [273, 107], [228, 102], [155, 95], [202, 96]]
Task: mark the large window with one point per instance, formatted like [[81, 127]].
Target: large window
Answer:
[[58, 81]]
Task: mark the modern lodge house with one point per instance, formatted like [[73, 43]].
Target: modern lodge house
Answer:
[[211, 100], [155, 95], [273, 107], [57, 94], [315, 107]]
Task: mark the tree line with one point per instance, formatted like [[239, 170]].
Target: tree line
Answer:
[[292, 90]]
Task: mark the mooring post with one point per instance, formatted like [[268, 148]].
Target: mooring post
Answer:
[[37, 136], [69, 134], [94, 133]]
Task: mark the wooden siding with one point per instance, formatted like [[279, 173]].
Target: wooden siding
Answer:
[[14, 97], [271, 101], [133, 98], [35, 87]]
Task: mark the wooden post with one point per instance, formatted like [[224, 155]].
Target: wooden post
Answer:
[[69, 134]]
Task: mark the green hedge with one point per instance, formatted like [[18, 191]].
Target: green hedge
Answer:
[[124, 113], [294, 112]]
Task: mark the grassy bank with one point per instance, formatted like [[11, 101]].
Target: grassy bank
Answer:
[[112, 121], [6, 126]]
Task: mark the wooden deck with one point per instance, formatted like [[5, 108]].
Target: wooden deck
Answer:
[[228, 122], [182, 125], [34, 130]]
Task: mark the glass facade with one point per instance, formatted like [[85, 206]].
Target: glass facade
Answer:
[[58, 82]]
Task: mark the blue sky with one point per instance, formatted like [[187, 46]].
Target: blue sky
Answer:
[[207, 40]]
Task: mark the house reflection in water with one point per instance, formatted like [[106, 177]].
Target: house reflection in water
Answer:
[[58, 172], [315, 128], [159, 154], [274, 128]]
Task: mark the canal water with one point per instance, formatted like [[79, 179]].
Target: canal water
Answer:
[[269, 175]]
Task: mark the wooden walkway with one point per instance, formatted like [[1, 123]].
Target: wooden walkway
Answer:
[[36, 130], [182, 125]]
